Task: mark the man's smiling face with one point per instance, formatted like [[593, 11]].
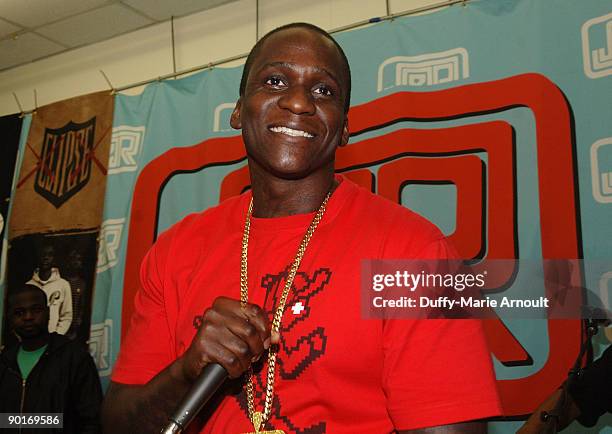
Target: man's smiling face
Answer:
[[292, 110]]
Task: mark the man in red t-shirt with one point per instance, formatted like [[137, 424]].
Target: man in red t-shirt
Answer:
[[267, 285]]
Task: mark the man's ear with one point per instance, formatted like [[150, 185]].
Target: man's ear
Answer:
[[345, 132], [235, 121]]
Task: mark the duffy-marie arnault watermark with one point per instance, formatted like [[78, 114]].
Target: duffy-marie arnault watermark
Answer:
[[490, 289]]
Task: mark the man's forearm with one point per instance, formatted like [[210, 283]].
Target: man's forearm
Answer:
[[458, 428], [143, 409]]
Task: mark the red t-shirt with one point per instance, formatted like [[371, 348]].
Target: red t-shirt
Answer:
[[336, 372]]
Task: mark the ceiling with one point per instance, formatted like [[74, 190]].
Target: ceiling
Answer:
[[34, 29]]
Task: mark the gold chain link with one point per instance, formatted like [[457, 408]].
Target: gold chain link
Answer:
[[259, 419]]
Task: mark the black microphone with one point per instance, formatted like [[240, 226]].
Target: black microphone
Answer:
[[210, 379]]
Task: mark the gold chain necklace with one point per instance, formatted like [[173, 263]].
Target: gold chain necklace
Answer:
[[259, 419]]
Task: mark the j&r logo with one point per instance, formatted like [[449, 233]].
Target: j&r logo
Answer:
[[126, 143], [99, 346], [477, 157], [597, 46], [601, 170], [424, 70], [110, 240]]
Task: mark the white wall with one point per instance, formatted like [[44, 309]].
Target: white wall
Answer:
[[200, 38]]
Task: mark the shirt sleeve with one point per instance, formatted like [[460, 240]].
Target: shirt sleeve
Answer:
[[148, 346], [437, 371]]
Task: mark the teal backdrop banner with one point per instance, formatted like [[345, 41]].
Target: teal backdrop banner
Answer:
[[492, 119]]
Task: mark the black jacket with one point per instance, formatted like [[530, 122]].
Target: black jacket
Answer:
[[592, 390], [64, 380]]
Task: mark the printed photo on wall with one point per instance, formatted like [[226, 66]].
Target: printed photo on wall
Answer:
[[62, 265]]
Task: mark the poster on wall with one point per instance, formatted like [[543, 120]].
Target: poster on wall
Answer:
[[63, 264], [57, 208], [62, 177]]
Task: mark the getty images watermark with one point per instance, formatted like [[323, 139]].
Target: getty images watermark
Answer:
[[560, 288]]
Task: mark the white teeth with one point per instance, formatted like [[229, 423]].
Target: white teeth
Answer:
[[290, 132]]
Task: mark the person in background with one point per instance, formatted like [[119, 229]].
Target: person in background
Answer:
[[59, 296], [72, 272], [47, 372]]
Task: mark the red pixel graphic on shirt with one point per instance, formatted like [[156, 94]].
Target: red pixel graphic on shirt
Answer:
[[302, 342]]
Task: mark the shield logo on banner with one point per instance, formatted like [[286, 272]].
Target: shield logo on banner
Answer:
[[65, 161]]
